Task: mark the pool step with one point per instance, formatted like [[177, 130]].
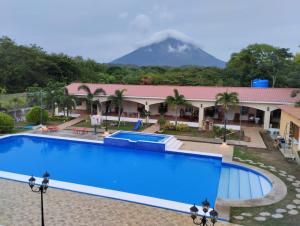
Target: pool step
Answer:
[[173, 143], [240, 184]]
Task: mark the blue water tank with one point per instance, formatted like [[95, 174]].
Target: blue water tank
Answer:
[[260, 83]]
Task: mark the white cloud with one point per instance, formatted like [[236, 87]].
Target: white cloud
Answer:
[[141, 23], [163, 35], [123, 15]]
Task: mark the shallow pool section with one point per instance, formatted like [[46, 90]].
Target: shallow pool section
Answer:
[[241, 183], [138, 136], [164, 175], [138, 140]]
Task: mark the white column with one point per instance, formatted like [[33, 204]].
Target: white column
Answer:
[[147, 107], [201, 116], [98, 109], [56, 109], [299, 140], [267, 120]]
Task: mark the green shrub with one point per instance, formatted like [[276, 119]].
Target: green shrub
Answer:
[[182, 127], [34, 115], [6, 123], [219, 131], [169, 126], [161, 121]]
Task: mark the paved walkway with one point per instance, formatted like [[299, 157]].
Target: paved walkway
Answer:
[[151, 129], [255, 137], [225, 150], [252, 132], [72, 122], [70, 134], [20, 206]]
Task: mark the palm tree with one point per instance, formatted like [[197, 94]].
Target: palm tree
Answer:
[[117, 100], [17, 102], [176, 100], [53, 93], [90, 96], [226, 100], [67, 102], [2, 90]]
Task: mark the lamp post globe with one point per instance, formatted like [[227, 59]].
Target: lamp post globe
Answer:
[[31, 182], [204, 219]]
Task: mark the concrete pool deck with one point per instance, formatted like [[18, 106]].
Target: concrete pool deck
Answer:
[[19, 206], [225, 150]]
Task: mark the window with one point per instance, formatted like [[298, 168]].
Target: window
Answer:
[[244, 110], [78, 102]]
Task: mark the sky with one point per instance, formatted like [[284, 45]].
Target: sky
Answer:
[[105, 30]]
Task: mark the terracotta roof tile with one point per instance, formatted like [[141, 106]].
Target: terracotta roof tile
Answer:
[[269, 95]]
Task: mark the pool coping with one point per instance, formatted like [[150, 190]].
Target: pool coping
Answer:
[[278, 192]]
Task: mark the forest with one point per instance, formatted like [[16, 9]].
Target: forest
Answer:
[[23, 66]]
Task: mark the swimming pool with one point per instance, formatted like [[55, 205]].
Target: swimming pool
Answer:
[[167, 179], [164, 175], [137, 136]]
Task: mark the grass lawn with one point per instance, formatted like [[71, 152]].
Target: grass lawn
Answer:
[[113, 125], [274, 158], [58, 120], [194, 132]]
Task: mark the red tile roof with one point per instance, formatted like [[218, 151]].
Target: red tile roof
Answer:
[[208, 93]]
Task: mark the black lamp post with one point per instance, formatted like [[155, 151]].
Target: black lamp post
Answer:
[[40, 189], [202, 220]]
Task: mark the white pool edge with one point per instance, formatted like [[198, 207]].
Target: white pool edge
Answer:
[[106, 193]]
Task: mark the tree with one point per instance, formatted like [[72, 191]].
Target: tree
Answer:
[[67, 102], [117, 100], [259, 61], [176, 100], [2, 90], [294, 94], [17, 102], [37, 115], [34, 95], [53, 93], [90, 96], [226, 100], [297, 58]]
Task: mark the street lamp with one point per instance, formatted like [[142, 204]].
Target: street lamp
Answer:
[[202, 220], [40, 189]]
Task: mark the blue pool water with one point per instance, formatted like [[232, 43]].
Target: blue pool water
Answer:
[[139, 136], [178, 177]]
